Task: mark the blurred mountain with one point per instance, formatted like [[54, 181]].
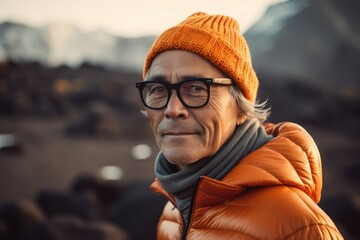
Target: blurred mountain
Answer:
[[317, 41], [59, 44], [308, 52]]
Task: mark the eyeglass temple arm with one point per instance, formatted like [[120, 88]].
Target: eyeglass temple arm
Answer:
[[225, 81]]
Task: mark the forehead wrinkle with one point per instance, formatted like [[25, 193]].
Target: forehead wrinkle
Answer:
[[163, 78], [180, 65]]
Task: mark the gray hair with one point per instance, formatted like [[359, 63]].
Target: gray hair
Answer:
[[248, 108]]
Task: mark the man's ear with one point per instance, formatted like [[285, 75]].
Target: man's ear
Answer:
[[240, 118]]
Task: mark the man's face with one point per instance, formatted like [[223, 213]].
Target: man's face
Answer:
[[186, 135]]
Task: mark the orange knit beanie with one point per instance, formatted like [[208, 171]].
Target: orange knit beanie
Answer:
[[218, 39]]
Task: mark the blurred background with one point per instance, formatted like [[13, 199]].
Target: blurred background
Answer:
[[76, 155]]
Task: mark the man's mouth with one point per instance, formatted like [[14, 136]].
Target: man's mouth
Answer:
[[170, 133]]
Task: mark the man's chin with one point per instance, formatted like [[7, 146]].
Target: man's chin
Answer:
[[179, 156]]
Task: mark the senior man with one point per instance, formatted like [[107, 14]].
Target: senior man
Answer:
[[226, 173]]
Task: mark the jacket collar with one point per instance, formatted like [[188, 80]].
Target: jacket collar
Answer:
[[291, 158]]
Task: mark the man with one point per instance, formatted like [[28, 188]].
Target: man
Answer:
[[226, 175]]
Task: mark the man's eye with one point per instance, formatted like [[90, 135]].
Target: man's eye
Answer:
[[197, 88], [157, 90]]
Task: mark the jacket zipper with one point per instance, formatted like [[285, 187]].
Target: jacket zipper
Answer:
[[187, 228]]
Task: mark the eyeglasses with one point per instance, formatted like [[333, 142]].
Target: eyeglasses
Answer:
[[193, 93]]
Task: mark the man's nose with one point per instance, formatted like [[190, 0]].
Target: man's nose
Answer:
[[175, 109]]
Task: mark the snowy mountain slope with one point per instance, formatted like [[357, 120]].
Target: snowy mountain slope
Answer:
[[65, 44], [313, 40]]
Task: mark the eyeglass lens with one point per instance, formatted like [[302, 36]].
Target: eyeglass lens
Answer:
[[190, 93]]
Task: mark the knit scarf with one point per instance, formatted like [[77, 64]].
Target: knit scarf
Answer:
[[247, 137]]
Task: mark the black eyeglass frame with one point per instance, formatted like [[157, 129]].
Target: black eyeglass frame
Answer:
[[208, 82]]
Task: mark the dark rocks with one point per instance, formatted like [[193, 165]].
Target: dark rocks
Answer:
[[93, 209]]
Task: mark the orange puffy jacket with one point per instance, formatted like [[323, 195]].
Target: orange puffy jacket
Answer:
[[271, 194]]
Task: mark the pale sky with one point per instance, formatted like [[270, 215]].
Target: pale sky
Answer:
[[127, 18]]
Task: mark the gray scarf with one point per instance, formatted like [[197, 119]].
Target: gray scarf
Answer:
[[247, 137]]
